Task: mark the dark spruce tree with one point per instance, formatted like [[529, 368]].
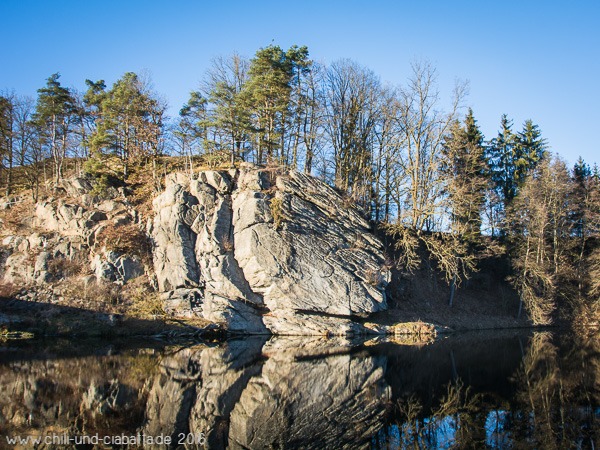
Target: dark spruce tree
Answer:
[[511, 158]]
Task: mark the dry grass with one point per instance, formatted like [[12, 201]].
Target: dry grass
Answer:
[[12, 220], [418, 328], [126, 239], [141, 300], [69, 267], [276, 206]]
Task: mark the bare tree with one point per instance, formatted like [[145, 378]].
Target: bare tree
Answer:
[[540, 229], [352, 95], [388, 143], [228, 113], [7, 133], [423, 127]]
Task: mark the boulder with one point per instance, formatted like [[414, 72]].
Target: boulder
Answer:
[[112, 266], [277, 252]]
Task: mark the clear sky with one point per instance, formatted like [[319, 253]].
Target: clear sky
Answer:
[[528, 59]]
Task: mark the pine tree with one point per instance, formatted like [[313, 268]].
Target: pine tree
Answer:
[[191, 128], [130, 120], [268, 94], [55, 115]]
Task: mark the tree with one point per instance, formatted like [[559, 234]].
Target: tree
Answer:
[[352, 112], [28, 144], [311, 120], [423, 128], [464, 170], [7, 124], [191, 127], [268, 95], [302, 102], [388, 147], [539, 231], [129, 121], [230, 113], [55, 115], [512, 157]]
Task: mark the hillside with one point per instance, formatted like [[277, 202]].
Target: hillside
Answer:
[[252, 250]]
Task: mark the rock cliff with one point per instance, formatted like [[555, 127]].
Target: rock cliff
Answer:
[[266, 252], [261, 251]]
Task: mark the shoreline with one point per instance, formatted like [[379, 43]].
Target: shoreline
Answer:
[[41, 319]]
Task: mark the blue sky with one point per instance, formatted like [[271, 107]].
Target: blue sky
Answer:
[[528, 59]]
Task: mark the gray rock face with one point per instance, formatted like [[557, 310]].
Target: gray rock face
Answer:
[[111, 266], [279, 253]]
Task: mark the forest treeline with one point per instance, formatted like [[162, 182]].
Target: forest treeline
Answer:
[[426, 176]]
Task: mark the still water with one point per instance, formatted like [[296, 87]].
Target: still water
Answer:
[[474, 390]]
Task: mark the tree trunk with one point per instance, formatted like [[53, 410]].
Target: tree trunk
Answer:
[[452, 291]]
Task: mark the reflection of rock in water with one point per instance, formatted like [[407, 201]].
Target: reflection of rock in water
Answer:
[[310, 401], [197, 388], [308, 393], [102, 394]]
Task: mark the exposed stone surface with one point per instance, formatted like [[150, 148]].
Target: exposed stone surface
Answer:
[[311, 269], [63, 233], [111, 266], [260, 251]]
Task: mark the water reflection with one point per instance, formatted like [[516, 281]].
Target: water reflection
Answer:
[[477, 390], [545, 394]]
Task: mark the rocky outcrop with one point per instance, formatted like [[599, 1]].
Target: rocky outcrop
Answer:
[[260, 251], [61, 238], [271, 252]]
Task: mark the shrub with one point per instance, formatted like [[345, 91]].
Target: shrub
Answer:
[[276, 206], [64, 267], [126, 239], [141, 299]]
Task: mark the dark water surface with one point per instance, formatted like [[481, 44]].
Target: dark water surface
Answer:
[[475, 390]]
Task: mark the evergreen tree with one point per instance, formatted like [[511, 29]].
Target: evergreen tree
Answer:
[[191, 128], [55, 115], [511, 158], [130, 119], [501, 155], [530, 149], [268, 94], [300, 101], [582, 181]]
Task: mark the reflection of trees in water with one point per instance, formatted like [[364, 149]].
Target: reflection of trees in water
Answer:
[[320, 393], [555, 404], [456, 421], [102, 394]]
